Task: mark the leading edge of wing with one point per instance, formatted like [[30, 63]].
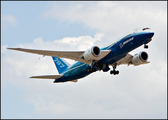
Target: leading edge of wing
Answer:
[[74, 55], [47, 77], [63, 54]]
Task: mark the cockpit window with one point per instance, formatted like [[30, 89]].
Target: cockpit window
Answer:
[[145, 28]]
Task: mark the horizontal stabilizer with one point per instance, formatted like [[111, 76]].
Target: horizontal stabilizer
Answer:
[[47, 76]]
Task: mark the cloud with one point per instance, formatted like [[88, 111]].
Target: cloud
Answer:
[[114, 19], [19, 60], [8, 20], [3, 49], [138, 93], [109, 16]]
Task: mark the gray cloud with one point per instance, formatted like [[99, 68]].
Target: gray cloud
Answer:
[[114, 19], [137, 92], [110, 17]]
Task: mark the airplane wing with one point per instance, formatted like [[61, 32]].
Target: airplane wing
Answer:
[[127, 60], [74, 55]]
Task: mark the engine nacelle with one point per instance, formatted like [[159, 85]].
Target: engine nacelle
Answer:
[[91, 53], [140, 58]]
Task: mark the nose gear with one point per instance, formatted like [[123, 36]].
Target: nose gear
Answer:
[[145, 46]]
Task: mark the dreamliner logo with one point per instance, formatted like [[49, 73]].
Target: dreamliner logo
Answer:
[[97, 59], [59, 63]]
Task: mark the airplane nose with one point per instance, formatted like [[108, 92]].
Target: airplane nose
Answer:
[[151, 34]]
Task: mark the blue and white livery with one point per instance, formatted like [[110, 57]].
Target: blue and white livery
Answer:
[[97, 59]]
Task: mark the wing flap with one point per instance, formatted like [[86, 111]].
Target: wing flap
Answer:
[[47, 77]]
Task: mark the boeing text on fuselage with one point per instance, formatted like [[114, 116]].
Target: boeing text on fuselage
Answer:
[[122, 44]]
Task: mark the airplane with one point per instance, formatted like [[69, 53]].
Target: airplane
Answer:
[[96, 59]]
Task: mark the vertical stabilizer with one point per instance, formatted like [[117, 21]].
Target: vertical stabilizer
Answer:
[[60, 64]]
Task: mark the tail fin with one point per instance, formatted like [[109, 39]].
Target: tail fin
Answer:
[[60, 64]]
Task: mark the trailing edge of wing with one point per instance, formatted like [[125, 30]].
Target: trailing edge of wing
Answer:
[[47, 77], [74, 55]]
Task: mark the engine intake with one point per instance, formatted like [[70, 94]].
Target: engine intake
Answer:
[[143, 56], [92, 53], [95, 51], [140, 58]]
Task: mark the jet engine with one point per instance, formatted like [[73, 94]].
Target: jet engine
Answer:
[[140, 58], [91, 53]]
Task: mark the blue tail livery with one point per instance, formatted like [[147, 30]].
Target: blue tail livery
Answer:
[[98, 59], [60, 64]]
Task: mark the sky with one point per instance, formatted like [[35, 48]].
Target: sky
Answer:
[[137, 92]]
